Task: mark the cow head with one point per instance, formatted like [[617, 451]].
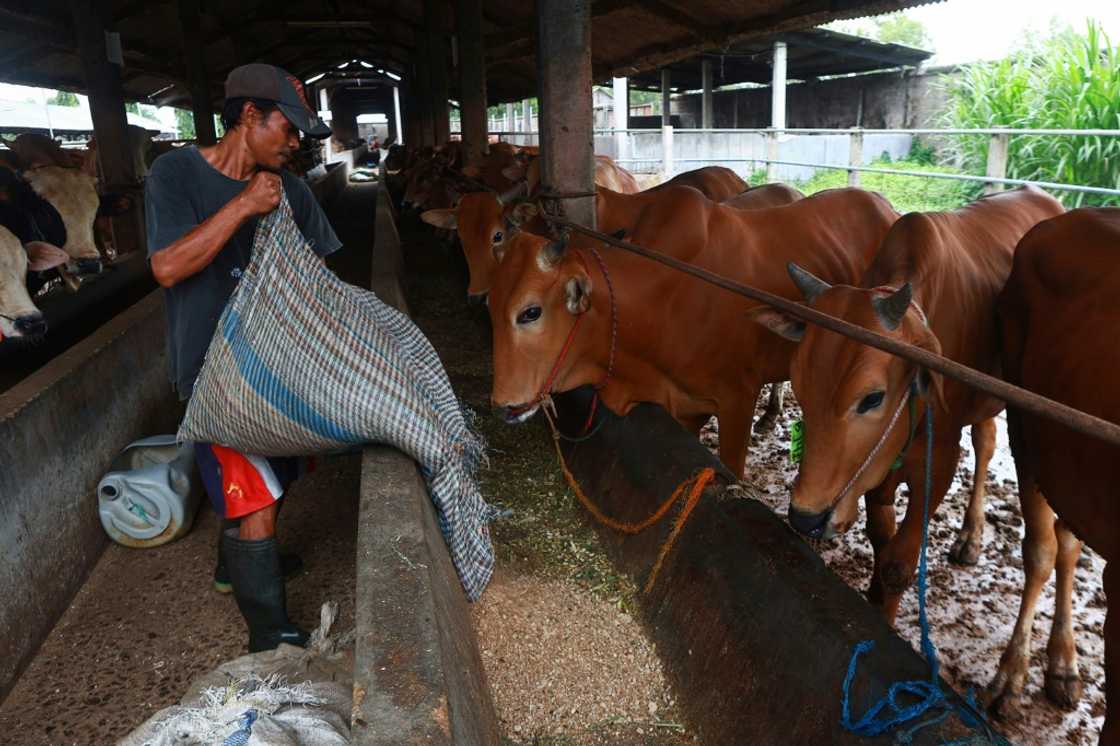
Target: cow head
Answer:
[[74, 195], [849, 394], [539, 291], [485, 222], [19, 318]]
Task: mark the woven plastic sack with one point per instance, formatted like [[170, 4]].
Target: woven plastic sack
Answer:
[[304, 363]]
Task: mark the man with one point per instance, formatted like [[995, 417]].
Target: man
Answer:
[[202, 206]]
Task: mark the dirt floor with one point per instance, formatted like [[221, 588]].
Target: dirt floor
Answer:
[[147, 622], [566, 660], [972, 610]]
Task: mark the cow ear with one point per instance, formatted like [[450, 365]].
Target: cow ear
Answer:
[[928, 380], [779, 322], [577, 293], [42, 256], [472, 171], [442, 218]]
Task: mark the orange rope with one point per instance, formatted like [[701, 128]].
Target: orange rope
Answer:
[[698, 482]]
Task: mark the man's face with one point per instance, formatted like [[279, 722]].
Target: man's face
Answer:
[[271, 138]]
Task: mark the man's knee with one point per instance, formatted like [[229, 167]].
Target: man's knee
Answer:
[[260, 524]]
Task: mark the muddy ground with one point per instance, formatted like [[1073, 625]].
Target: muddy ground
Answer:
[[972, 610]]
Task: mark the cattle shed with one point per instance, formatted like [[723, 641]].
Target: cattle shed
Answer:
[[416, 59]]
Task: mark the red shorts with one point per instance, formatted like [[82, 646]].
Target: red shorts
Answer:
[[239, 484]]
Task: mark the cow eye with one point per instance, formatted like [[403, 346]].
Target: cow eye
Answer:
[[872, 401], [529, 315], [497, 237]]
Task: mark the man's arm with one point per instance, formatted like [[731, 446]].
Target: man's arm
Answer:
[[190, 254]]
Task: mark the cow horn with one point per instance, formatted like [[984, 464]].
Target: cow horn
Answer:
[[892, 308], [517, 190], [553, 252], [809, 284]]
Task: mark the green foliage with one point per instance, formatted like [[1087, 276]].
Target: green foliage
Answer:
[[922, 153], [906, 193], [132, 107], [184, 122], [901, 29], [1069, 82], [63, 98]]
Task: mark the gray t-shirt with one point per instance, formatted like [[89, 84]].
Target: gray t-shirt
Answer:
[[181, 191]]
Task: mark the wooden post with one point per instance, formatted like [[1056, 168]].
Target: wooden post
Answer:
[[100, 52], [666, 99], [778, 87], [707, 119], [440, 107], [566, 118], [855, 155], [193, 46], [997, 161], [472, 78]]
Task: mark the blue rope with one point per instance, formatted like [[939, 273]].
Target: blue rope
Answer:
[[927, 693], [240, 737]]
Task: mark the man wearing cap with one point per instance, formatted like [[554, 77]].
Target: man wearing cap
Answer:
[[202, 207]]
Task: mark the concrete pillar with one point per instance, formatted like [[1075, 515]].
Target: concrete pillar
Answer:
[[100, 52], [667, 166], [472, 77], [398, 133], [566, 117], [666, 93], [509, 124], [420, 105], [527, 114], [621, 116], [706, 118], [855, 155], [438, 83], [191, 34], [778, 87]]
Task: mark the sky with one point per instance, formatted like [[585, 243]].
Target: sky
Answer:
[[961, 30], [969, 30]]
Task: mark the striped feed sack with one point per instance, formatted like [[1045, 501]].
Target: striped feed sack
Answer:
[[303, 363]]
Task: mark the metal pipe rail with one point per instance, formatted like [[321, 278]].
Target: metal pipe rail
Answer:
[[861, 130], [1013, 395]]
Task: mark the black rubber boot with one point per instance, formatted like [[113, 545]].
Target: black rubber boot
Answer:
[[290, 564], [258, 587]]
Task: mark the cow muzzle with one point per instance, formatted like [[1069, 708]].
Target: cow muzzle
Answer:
[[515, 415], [30, 328], [813, 525]]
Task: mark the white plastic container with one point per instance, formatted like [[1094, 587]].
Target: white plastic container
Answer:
[[151, 493]]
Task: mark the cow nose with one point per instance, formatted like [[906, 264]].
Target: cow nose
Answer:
[[32, 325], [812, 525]]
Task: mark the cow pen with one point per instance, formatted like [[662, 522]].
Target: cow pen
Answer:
[[718, 625]]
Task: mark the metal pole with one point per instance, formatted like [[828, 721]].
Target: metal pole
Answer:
[[707, 115], [778, 87], [397, 114]]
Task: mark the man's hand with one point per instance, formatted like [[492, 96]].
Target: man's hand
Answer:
[[263, 193]]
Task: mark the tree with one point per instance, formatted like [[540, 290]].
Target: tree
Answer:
[[63, 98], [184, 122], [132, 107], [900, 29]]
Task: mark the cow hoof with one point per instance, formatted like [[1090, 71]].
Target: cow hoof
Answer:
[[896, 577], [1005, 707], [1064, 690], [964, 551]]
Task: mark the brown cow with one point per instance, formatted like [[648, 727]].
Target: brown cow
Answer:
[[680, 342], [714, 182], [1057, 314], [764, 195], [853, 396], [607, 174]]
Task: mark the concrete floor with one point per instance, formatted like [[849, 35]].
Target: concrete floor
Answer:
[[147, 622]]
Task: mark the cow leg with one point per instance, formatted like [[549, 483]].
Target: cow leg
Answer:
[[773, 411], [900, 555], [1110, 734], [880, 530], [1040, 550], [966, 549], [735, 430], [1063, 681]]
